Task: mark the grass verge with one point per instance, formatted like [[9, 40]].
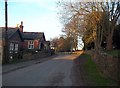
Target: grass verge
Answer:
[[113, 52], [94, 75]]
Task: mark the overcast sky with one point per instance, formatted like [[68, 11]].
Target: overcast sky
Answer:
[[37, 16]]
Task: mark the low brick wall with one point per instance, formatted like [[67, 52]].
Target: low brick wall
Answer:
[[41, 55], [108, 65], [36, 55]]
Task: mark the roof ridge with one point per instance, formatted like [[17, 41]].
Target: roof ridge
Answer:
[[8, 27], [33, 32]]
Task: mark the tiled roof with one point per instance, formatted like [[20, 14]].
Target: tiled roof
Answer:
[[32, 35], [24, 35], [10, 32]]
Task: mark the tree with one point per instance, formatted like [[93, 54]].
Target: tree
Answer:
[[70, 20], [94, 21], [71, 31], [116, 37], [54, 43], [62, 44], [112, 10]]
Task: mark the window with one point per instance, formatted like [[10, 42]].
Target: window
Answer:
[[30, 44], [12, 46], [16, 47]]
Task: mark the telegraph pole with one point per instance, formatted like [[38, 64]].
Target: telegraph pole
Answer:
[[6, 33], [118, 67]]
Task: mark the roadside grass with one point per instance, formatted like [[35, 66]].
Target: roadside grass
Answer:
[[94, 74]]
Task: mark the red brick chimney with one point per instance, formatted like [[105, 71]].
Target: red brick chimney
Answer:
[[21, 26]]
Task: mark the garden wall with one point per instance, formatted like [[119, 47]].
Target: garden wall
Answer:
[[37, 55]]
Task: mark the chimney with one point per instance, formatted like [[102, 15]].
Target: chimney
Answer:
[[21, 26]]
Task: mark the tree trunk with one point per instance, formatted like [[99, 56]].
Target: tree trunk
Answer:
[[110, 36], [98, 38], [109, 42]]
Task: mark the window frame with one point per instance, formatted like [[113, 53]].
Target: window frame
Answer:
[[16, 46], [11, 46], [31, 44]]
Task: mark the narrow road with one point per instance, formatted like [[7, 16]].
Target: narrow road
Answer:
[[56, 72]]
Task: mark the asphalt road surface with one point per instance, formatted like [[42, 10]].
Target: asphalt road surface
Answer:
[[55, 72]]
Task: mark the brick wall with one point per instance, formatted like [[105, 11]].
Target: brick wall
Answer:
[[25, 44], [40, 54]]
